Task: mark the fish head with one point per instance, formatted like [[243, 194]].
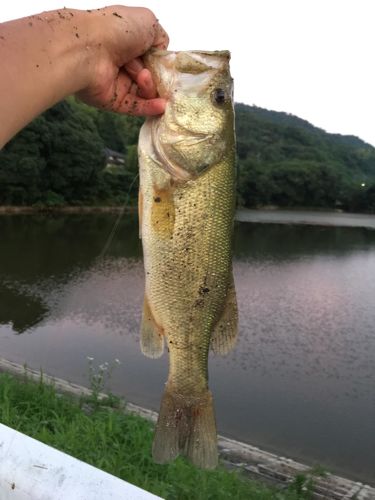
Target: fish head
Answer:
[[197, 128]]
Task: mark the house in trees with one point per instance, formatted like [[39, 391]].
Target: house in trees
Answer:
[[113, 157]]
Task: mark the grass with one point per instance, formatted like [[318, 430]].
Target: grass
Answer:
[[119, 444]]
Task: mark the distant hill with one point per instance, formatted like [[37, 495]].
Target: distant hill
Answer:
[[289, 120], [286, 161], [283, 160]]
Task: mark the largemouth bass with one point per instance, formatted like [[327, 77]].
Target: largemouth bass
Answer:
[[186, 210]]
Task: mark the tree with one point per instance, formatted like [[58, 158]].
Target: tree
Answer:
[[74, 154], [22, 162], [59, 154]]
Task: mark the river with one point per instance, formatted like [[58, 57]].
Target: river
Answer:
[[301, 379]]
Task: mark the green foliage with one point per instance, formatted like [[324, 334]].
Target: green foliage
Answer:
[[58, 158], [286, 161], [53, 199], [21, 165], [362, 199], [282, 160], [99, 377], [111, 130], [74, 153], [302, 486], [119, 444]]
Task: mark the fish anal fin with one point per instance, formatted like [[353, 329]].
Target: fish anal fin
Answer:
[[186, 426], [152, 341], [224, 336]]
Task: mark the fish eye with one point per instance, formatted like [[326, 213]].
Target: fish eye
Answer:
[[219, 96]]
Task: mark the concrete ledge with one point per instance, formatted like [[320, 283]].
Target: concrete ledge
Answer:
[[31, 470], [257, 463]]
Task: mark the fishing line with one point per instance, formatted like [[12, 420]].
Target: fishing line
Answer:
[[118, 220]]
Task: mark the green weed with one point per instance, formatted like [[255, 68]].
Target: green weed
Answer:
[[119, 444]]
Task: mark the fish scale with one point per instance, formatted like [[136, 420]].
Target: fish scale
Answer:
[[186, 205]]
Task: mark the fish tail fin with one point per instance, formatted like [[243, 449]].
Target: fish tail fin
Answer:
[[186, 426]]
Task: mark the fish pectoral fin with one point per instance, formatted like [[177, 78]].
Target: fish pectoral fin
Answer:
[[224, 336], [152, 341]]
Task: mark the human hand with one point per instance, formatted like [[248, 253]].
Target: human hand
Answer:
[[118, 79], [95, 54]]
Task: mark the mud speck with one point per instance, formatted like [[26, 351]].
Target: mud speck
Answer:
[[117, 15]]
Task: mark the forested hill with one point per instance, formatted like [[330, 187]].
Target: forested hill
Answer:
[[289, 120], [65, 157], [286, 161]]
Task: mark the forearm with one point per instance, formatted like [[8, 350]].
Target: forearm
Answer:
[[43, 59], [93, 53]]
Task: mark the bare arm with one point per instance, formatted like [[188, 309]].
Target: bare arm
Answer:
[[94, 54]]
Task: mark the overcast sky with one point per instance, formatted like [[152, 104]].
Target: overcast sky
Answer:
[[311, 58]]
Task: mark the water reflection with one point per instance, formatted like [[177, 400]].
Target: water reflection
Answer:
[[301, 379], [20, 310], [282, 241]]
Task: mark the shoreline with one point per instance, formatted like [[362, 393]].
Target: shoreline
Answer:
[[13, 210], [306, 217], [262, 215], [256, 463]]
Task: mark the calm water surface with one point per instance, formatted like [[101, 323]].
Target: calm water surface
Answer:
[[301, 380]]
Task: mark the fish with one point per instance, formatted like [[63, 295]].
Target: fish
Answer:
[[186, 213]]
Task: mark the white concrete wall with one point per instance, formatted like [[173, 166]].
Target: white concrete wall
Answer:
[[31, 470]]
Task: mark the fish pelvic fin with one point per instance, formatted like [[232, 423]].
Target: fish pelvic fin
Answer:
[[225, 332], [186, 426], [152, 338]]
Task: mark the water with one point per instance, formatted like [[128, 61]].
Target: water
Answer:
[[301, 379]]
